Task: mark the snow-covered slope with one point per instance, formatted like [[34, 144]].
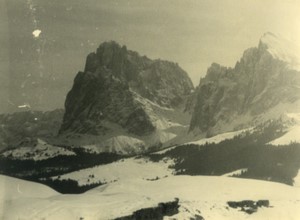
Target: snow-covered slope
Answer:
[[20, 191], [205, 196], [215, 139], [123, 169], [41, 151], [13, 188], [292, 136], [218, 138], [293, 132]]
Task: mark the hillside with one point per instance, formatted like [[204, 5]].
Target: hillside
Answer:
[[198, 197]]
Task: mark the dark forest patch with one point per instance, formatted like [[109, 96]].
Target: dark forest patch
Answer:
[[247, 150]]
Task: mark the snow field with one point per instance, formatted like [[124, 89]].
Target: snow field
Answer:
[[123, 169], [203, 195]]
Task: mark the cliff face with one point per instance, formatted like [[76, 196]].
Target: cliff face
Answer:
[[121, 89], [96, 98], [265, 78], [162, 82]]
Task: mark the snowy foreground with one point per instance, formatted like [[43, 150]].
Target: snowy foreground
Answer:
[[198, 195]]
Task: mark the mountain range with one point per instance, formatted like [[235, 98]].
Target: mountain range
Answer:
[[127, 103], [136, 134], [124, 98]]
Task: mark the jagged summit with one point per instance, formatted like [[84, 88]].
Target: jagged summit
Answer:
[[122, 96], [263, 84], [282, 49], [153, 79]]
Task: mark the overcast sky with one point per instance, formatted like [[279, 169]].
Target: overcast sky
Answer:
[[193, 33]]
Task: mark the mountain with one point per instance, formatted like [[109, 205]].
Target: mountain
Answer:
[[123, 104], [122, 98], [22, 129], [263, 85]]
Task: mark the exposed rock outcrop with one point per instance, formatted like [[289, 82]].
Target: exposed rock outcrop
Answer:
[[249, 206], [265, 78], [163, 209]]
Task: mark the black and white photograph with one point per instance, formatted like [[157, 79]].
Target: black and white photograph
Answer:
[[149, 110]]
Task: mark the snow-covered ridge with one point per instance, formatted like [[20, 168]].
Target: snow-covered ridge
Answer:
[[282, 49], [215, 139], [292, 136], [41, 151], [219, 138]]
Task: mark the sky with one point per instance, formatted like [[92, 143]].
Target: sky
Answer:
[[45, 43]]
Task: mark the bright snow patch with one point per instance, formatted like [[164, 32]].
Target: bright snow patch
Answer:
[[236, 172], [294, 116], [42, 151], [24, 106], [165, 150], [218, 138], [206, 196], [123, 169], [293, 135], [12, 189]]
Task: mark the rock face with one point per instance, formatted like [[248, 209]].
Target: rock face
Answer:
[[119, 88], [266, 79], [98, 97]]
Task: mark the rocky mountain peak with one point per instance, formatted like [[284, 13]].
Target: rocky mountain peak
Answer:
[[109, 55], [121, 93], [281, 49], [162, 82], [264, 79]]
